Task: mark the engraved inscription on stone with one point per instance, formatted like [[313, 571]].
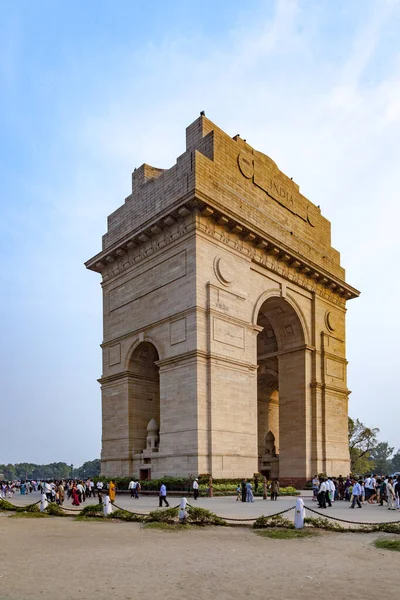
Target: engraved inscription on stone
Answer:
[[271, 183], [228, 333], [155, 278], [114, 354], [335, 368], [177, 331]]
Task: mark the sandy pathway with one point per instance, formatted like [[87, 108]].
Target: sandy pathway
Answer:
[[59, 558]]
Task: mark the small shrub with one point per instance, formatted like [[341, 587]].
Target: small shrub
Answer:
[[265, 522], [92, 510], [125, 515], [389, 527], [322, 523], [168, 515], [54, 510], [201, 516], [5, 505], [388, 544], [32, 508]]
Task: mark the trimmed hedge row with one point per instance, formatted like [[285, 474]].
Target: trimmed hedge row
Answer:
[[221, 487], [195, 515]]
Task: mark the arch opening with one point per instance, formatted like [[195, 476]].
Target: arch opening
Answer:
[[280, 381], [144, 404]]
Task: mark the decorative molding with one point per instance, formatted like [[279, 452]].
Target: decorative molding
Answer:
[[225, 228], [156, 277], [206, 356]]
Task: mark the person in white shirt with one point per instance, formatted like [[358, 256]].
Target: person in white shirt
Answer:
[[47, 490], [81, 492], [195, 489], [372, 490], [132, 488], [331, 488], [390, 495], [92, 488], [367, 481]]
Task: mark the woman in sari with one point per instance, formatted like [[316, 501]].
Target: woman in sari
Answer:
[[111, 491], [75, 497]]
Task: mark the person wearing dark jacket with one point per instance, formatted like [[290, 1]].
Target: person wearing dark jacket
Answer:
[[244, 490]]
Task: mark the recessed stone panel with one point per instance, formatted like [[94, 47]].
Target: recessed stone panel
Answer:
[[228, 333], [114, 355], [177, 331], [335, 368]]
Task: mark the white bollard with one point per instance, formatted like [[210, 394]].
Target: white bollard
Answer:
[[182, 510], [107, 508], [43, 503], [299, 514]]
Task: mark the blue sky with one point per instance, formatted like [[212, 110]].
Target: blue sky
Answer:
[[89, 90]]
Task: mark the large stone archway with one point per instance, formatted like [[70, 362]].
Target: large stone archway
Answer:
[[230, 270], [283, 391]]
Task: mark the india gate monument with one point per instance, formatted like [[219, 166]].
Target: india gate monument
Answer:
[[224, 322]]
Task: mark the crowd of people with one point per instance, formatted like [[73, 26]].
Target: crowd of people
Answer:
[[57, 490], [245, 493], [9, 488], [372, 489]]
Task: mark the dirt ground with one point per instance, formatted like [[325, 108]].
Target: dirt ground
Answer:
[[54, 558]]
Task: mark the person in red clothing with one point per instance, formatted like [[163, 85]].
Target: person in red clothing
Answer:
[[75, 497]]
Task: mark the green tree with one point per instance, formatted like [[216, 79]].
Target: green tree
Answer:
[[91, 468], [362, 440], [381, 455], [395, 462], [56, 470]]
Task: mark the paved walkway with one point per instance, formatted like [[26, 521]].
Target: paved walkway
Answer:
[[227, 506]]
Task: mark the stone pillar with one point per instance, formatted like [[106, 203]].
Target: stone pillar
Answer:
[[116, 454], [273, 417], [294, 418]]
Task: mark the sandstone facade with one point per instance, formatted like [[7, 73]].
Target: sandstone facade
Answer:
[[224, 322]]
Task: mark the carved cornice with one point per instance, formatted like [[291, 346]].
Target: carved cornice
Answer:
[[201, 354], [127, 375], [330, 388], [261, 248]]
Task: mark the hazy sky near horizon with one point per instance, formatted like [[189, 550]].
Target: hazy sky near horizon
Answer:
[[90, 90]]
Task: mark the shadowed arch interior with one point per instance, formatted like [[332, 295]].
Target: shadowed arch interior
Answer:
[[280, 383], [144, 394]]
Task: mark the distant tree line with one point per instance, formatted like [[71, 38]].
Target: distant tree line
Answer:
[[56, 470], [368, 454]]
